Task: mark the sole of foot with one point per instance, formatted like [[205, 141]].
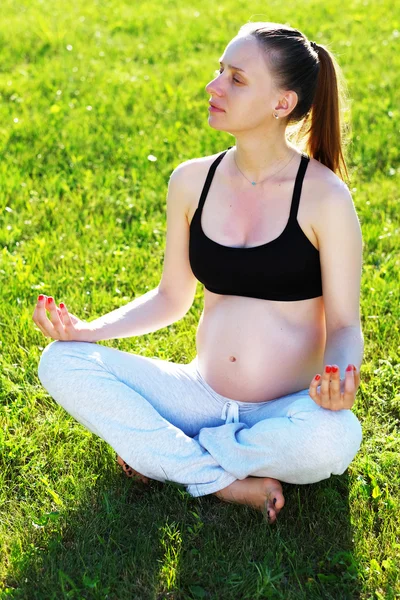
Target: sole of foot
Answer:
[[262, 493], [129, 472]]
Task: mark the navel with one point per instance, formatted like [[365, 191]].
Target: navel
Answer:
[[232, 358]]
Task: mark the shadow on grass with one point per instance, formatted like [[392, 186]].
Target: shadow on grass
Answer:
[[127, 540]]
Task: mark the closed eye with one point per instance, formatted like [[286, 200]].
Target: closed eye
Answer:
[[221, 70]]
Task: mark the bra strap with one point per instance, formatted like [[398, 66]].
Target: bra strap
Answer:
[[209, 178], [305, 159]]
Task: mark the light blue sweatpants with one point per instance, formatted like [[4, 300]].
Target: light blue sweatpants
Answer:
[[167, 423]]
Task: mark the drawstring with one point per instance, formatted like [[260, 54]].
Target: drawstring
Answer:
[[230, 412]]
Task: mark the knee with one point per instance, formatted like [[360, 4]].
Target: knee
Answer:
[[342, 434], [53, 359], [352, 432], [47, 359]]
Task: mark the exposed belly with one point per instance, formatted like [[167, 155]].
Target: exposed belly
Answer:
[[257, 350]]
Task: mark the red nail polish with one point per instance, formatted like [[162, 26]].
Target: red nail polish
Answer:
[[317, 377], [62, 305], [349, 368], [327, 369], [334, 369], [354, 368], [40, 298], [49, 300]]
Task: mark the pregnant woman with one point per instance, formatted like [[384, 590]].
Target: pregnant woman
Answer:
[[272, 233]]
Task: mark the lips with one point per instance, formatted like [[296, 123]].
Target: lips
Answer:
[[215, 106]]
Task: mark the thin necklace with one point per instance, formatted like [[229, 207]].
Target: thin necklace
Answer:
[[258, 182]]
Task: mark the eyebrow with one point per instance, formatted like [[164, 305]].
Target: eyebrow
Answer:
[[232, 67]]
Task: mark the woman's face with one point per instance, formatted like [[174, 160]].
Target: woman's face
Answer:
[[248, 97]]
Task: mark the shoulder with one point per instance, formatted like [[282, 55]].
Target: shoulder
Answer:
[[327, 185], [190, 176], [329, 193], [333, 211], [193, 166]]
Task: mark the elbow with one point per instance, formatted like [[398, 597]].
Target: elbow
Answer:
[[175, 304]]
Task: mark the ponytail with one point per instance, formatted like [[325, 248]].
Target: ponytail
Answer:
[[328, 131], [317, 123]]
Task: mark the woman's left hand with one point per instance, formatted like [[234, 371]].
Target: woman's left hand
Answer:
[[335, 393]]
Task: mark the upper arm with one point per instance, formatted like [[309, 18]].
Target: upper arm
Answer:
[[178, 281], [340, 246]]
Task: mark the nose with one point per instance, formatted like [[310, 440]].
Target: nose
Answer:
[[213, 87]]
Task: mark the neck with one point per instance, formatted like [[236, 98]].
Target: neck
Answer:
[[259, 158]]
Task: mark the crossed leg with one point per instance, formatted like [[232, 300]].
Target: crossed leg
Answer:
[[161, 419], [262, 493]]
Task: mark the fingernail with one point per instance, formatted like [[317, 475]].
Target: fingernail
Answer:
[[349, 368], [334, 369], [49, 300], [317, 377], [62, 305], [354, 368], [327, 369], [40, 298]]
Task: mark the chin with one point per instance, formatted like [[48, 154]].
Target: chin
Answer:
[[215, 125]]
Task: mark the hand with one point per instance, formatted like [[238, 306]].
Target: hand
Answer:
[[62, 324], [335, 393]]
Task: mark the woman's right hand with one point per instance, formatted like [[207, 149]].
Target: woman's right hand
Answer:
[[62, 325]]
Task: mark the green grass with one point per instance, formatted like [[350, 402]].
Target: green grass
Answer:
[[83, 219]]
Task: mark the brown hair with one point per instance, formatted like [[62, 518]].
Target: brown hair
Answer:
[[317, 122]]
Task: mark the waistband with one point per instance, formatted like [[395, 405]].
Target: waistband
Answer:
[[230, 408]]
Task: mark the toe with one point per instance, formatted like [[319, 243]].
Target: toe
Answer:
[[274, 504], [269, 512], [129, 472], [278, 500]]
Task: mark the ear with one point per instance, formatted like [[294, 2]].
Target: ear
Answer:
[[286, 104]]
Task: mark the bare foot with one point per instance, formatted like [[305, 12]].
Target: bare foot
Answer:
[[129, 472], [262, 493]]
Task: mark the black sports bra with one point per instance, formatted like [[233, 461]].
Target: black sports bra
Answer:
[[285, 269]]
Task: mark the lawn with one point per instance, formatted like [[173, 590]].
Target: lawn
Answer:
[[99, 103]]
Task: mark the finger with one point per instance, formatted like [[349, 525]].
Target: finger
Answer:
[[325, 387], [357, 376], [54, 318], [313, 389], [335, 380], [43, 331], [40, 318], [39, 308], [335, 393], [349, 388], [68, 324]]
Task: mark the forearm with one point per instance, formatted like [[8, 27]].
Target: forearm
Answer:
[[343, 347], [145, 314]]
